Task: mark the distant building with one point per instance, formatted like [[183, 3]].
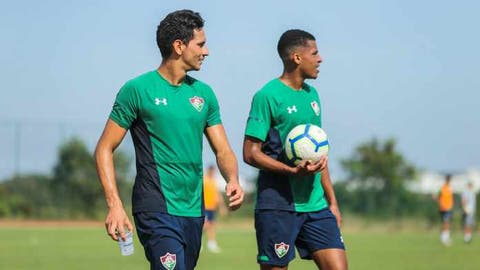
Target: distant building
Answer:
[[430, 182]]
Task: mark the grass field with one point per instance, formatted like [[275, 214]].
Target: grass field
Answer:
[[372, 247]]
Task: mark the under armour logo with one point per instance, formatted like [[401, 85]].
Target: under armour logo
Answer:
[[163, 101], [292, 109]]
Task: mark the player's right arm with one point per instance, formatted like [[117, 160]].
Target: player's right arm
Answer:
[[253, 155], [116, 220]]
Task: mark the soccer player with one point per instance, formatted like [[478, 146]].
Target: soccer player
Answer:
[[296, 205], [213, 200], [469, 203], [167, 112], [445, 206]]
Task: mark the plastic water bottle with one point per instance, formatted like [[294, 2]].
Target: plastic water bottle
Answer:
[[126, 247]]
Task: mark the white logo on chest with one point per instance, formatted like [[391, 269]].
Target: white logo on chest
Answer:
[[292, 109], [163, 101]]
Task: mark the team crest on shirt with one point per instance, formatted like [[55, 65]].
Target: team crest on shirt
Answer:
[[197, 103], [315, 107], [169, 261], [281, 249]]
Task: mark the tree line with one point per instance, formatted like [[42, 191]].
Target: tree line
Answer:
[[72, 191], [375, 186], [377, 174]]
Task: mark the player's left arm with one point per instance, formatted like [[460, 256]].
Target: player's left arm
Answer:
[[227, 164], [330, 195]]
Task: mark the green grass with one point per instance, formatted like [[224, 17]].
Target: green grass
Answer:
[[367, 248]]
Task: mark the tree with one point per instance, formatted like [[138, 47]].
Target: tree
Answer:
[[78, 193], [72, 192], [377, 173], [26, 196]]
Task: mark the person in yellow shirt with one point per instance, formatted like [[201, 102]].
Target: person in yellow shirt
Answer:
[[213, 200], [445, 204]]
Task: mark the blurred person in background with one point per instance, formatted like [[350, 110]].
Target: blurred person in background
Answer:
[[445, 206], [469, 203], [213, 200]]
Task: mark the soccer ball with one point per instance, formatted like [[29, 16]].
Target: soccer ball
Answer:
[[306, 142]]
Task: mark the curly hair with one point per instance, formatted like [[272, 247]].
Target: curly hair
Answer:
[[177, 25]]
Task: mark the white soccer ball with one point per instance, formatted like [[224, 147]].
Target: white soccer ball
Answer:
[[306, 142]]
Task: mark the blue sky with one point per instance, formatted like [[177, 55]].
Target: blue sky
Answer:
[[402, 69]]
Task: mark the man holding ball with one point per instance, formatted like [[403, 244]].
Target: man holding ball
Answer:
[[296, 205]]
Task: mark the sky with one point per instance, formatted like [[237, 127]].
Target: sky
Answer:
[[392, 69]]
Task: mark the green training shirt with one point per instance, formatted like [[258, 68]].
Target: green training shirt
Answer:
[[275, 110], [167, 123]]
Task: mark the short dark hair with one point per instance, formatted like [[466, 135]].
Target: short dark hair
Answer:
[[177, 25], [291, 39]]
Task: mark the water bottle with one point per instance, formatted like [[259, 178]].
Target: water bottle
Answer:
[[126, 247]]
